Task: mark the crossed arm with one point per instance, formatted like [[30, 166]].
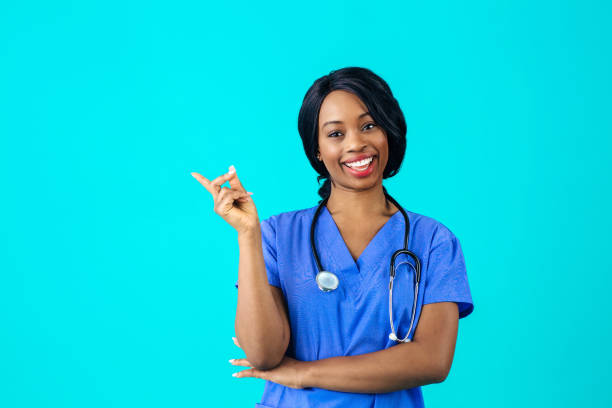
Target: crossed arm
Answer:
[[425, 360]]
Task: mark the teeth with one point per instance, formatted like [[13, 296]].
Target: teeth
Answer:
[[360, 163]]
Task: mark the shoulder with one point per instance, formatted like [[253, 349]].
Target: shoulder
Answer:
[[280, 226], [430, 230], [291, 218]]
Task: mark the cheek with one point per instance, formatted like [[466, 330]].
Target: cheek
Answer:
[[383, 146], [383, 149], [330, 152]]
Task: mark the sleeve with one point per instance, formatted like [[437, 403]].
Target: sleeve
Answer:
[[268, 238], [446, 276]]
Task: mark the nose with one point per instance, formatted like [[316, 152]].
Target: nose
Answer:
[[355, 141]]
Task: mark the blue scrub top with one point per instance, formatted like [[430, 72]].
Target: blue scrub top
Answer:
[[354, 318]]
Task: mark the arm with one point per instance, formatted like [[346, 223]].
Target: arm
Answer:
[[425, 360], [261, 324]]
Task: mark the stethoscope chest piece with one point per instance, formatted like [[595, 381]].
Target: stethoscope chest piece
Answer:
[[327, 281]]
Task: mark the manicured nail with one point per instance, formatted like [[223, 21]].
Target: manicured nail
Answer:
[[235, 375], [250, 193], [232, 169], [231, 360]]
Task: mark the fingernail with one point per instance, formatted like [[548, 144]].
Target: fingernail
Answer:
[[231, 360], [232, 169], [250, 193], [235, 375]]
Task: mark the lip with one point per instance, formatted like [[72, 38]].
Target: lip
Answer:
[[357, 158], [362, 174]]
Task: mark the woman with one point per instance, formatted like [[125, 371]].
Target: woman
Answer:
[[331, 346]]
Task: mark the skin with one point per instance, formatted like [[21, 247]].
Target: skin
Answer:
[[359, 208]]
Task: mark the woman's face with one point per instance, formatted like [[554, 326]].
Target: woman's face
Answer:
[[351, 135]]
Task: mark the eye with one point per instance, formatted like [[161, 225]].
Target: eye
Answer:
[[365, 127], [368, 124]]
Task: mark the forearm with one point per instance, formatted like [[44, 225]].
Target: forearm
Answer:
[[399, 367], [259, 323]]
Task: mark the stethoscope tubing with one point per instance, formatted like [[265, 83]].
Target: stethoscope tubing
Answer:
[[405, 250]]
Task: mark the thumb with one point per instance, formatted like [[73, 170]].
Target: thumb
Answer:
[[234, 181]]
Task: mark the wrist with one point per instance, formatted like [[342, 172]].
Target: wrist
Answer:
[[249, 232], [306, 374]]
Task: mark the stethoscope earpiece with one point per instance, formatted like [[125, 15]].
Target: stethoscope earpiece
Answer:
[[393, 337]]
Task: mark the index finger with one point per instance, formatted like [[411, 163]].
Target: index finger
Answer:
[[205, 182]]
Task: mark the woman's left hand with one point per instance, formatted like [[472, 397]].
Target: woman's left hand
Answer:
[[288, 373]]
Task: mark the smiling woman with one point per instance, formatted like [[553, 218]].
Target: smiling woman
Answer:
[[332, 345], [347, 103]]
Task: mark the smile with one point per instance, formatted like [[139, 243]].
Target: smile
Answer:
[[361, 164], [361, 168]]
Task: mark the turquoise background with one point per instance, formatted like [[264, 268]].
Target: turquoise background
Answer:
[[116, 276]]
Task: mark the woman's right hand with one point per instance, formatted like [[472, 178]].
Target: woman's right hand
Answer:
[[234, 204]]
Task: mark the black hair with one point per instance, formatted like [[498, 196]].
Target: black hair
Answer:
[[378, 98]]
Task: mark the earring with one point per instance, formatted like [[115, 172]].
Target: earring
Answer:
[[319, 156]]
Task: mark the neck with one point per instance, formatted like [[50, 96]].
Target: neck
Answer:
[[359, 204]]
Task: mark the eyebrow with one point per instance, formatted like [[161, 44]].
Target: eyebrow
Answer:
[[339, 121]]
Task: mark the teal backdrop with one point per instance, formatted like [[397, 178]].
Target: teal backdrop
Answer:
[[117, 277]]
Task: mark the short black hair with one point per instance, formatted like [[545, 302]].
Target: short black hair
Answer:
[[378, 98]]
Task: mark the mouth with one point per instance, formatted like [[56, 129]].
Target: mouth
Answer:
[[361, 168]]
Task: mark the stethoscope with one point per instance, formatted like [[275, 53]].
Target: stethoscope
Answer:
[[328, 281]]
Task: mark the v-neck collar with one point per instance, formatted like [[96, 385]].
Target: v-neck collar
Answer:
[[336, 243]]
